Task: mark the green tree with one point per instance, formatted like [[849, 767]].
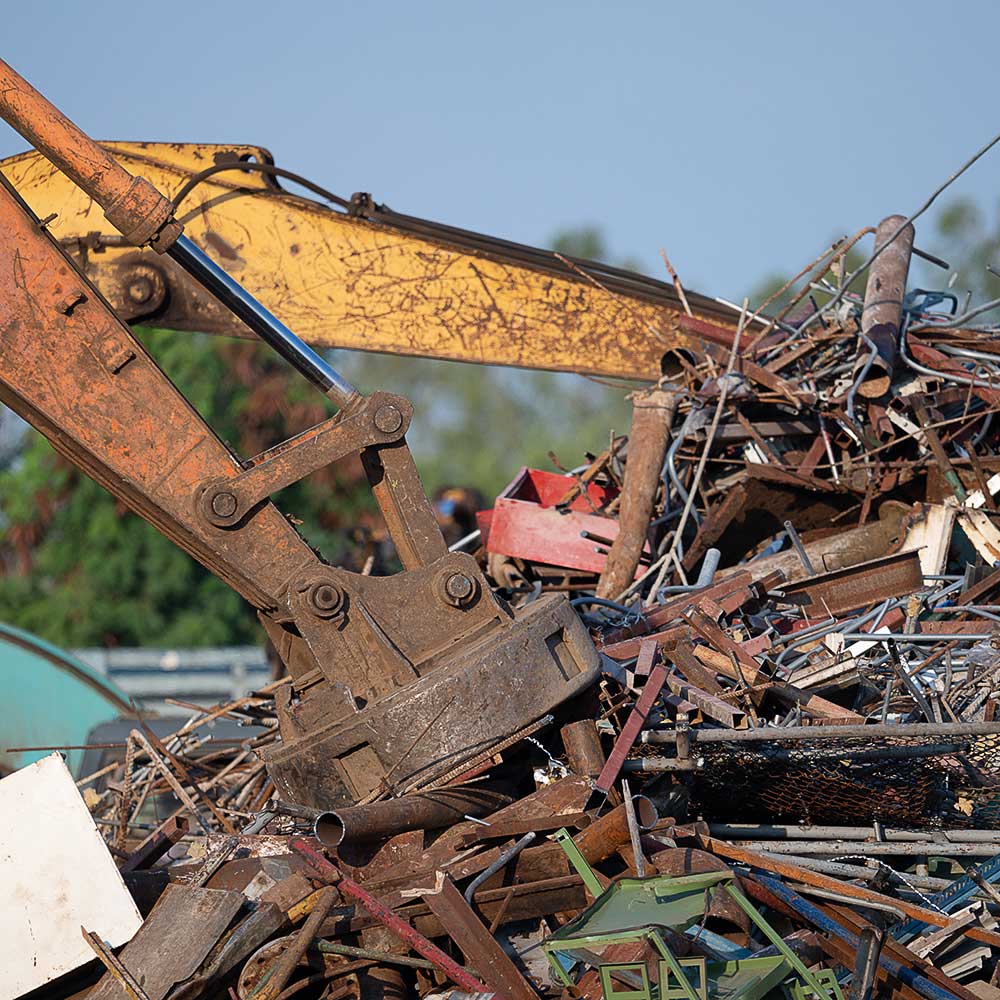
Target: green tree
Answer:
[[588, 242], [968, 237]]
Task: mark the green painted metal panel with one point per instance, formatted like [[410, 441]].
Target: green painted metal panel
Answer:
[[50, 699]]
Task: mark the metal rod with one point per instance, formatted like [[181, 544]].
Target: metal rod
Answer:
[[501, 862], [740, 831], [262, 321], [387, 918], [857, 872], [649, 765], [832, 753], [916, 637], [462, 542], [708, 567], [793, 537], [864, 848], [769, 734], [381, 957]]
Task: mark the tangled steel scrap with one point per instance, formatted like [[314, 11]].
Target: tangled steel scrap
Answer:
[[786, 776], [779, 778]]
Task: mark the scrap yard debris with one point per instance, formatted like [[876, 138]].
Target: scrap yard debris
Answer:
[[711, 716], [785, 780]]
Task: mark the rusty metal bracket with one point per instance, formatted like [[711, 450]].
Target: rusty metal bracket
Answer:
[[379, 419]]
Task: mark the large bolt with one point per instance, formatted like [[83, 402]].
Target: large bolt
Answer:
[[326, 599], [224, 504], [140, 289], [143, 288], [388, 419], [458, 589]]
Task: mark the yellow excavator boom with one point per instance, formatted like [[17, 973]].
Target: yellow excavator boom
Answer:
[[363, 277]]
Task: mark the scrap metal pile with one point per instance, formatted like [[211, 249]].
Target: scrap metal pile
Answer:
[[785, 781], [754, 755]]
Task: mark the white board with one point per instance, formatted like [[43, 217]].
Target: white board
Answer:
[[56, 875]]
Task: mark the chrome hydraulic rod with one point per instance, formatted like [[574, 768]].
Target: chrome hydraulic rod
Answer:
[[262, 321]]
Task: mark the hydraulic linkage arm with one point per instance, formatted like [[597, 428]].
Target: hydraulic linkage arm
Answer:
[[395, 681]]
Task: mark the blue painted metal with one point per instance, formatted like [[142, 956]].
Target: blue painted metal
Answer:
[[721, 946], [815, 916], [951, 899], [50, 699]]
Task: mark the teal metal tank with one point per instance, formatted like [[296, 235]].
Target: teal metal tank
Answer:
[[50, 699]]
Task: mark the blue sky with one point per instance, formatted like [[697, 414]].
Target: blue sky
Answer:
[[739, 136]]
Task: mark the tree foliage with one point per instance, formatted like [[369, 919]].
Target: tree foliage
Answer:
[[968, 237]]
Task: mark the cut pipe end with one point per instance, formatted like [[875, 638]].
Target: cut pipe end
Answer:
[[329, 829], [645, 812]]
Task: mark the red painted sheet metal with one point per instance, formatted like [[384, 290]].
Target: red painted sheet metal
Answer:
[[526, 524]]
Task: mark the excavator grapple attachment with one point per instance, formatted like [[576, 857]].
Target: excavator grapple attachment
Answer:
[[396, 682]]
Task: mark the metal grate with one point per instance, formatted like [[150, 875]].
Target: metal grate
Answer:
[[909, 780]]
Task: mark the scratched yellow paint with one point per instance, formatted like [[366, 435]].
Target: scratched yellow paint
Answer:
[[348, 283]]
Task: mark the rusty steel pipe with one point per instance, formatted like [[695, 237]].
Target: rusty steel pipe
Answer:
[[652, 414], [420, 811], [881, 316], [131, 204], [582, 743], [605, 835]]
